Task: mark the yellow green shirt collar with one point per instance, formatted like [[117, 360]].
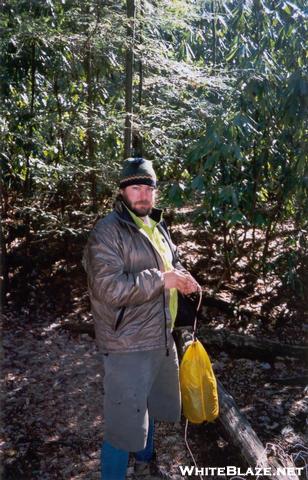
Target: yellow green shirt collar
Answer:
[[155, 238], [140, 223]]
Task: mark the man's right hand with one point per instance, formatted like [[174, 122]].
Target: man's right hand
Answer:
[[181, 280]]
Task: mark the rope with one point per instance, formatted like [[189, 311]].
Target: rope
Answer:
[[188, 448], [186, 423], [198, 308]]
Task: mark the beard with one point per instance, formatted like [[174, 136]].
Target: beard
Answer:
[[141, 209]]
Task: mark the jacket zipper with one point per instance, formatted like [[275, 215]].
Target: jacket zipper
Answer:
[[164, 298], [120, 317]]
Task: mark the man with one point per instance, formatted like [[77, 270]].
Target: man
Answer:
[[134, 277]]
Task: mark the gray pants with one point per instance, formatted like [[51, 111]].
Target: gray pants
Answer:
[[138, 385]]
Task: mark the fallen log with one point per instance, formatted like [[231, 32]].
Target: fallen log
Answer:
[[237, 427], [79, 328], [236, 344], [250, 346], [301, 380]]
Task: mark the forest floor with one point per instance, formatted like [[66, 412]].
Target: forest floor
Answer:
[[52, 418]]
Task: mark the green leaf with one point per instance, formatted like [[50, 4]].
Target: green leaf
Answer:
[[175, 194], [198, 183], [232, 54], [211, 161]]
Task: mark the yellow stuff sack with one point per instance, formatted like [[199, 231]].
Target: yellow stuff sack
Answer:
[[198, 385]]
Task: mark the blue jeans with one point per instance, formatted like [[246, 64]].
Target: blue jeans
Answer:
[[114, 461]]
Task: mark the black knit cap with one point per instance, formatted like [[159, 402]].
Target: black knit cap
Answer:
[[137, 171]]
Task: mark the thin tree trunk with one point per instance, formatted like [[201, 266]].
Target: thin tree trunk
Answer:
[[254, 203], [266, 245], [226, 250], [214, 49], [4, 275], [59, 110], [90, 115], [140, 41], [128, 131], [137, 140], [27, 182], [256, 179]]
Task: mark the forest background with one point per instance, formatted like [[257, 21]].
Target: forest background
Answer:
[[215, 93]]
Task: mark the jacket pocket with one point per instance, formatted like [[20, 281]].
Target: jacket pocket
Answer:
[[120, 317]]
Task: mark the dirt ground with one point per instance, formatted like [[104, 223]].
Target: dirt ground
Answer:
[[53, 410], [52, 415]]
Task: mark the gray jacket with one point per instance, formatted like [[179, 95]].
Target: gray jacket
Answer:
[[128, 299]]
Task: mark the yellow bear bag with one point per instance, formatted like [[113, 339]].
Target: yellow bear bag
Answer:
[[198, 385]]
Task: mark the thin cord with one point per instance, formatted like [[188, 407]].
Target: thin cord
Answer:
[[194, 339], [188, 448], [198, 308]]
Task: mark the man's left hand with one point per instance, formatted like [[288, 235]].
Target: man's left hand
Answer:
[[191, 286]]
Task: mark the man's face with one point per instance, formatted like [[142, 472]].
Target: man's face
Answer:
[[140, 199]]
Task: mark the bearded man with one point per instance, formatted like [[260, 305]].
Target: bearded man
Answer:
[[134, 277]]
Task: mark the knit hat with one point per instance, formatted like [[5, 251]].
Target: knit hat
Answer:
[[137, 171]]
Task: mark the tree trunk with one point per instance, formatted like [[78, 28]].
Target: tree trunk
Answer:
[[90, 137], [214, 49], [301, 380], [244, 346], [242, 436], [4, 275], [227, 264], [27, 182], [256, 174], [249, 346], [137, 140], [129, 68], [61, 144]]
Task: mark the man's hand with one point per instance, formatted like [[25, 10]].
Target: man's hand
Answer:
[[181, 280]]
